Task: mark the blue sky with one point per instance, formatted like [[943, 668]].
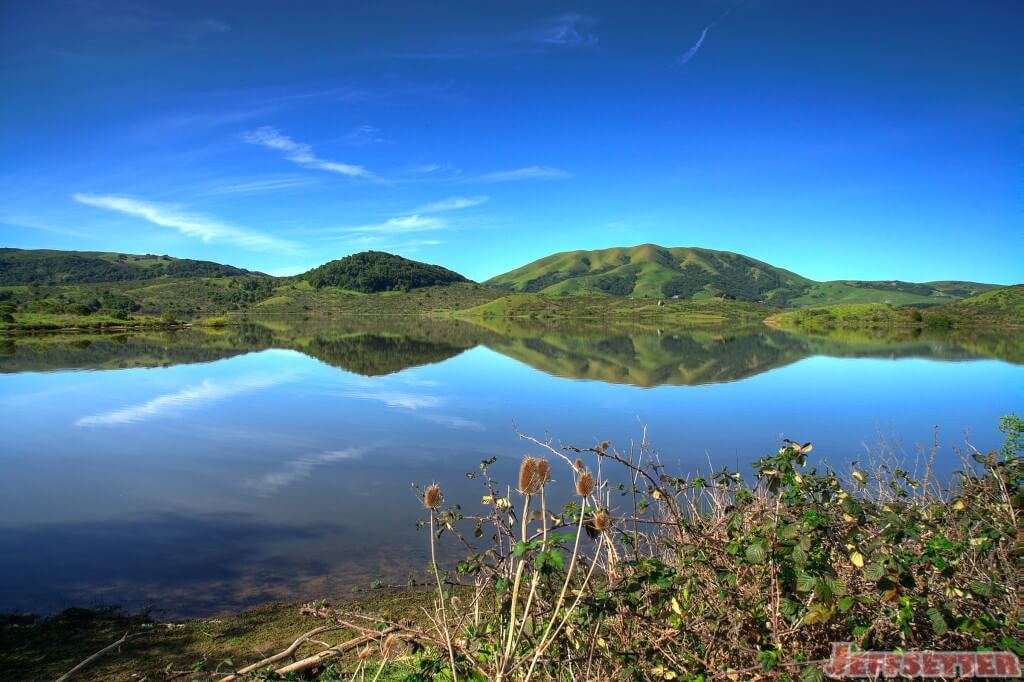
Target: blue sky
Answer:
[[837, 139]]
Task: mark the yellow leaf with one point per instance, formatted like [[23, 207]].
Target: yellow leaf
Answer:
[[848, 518], [977, 541], [675, 606], [958, 505], [859, 476], [487, 499], [858, 559], [656, 494]]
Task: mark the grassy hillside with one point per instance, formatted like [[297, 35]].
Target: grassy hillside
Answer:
[[888, 292], [22, 266], [618, 308], [998, 308], [375, 271], [847, 316], [1001, 308], [651, 271]]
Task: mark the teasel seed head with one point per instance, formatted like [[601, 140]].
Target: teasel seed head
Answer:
[[432, 498], [529, 483], [579, 464], [585, 484], [603, 447], [364, 653], [388, 645], [602, 521], [543, 471]]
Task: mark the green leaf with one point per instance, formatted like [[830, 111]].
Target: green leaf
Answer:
[[805, 582], [812, 673], [799, 556], [789, 531], [981, 589], [938, 622], [845, 604], [756, 552], [817, 613], [874, 572]]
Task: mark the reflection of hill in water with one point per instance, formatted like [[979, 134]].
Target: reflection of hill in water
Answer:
[[373, 355], [376, 346], [654, 360], [114, 351]]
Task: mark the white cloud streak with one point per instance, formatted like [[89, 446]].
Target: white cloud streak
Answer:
[[173, 403], [189, 224], [451, 204], [401, 225], [569, 30], [302, 154], [400, 399], [527, 173], [300, 469], [682, 61], [252, 186]]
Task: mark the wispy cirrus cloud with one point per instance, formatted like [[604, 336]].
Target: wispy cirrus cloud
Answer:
[[188, 223], [300, 469], [454, 422], [302, 154], [431, 168], [569, 30], [402, 224], [400, 399], [550, 35], [173, 403], [367, 134], [517, 174], [452, 204], [689, 54], [254, 186]]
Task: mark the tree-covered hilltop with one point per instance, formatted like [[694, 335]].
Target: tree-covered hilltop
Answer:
[[375, 271], [49, 267]]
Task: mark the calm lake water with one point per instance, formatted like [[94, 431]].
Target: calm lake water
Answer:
[[202, 472]]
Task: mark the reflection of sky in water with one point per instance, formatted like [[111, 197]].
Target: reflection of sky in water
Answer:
[[273, 475]]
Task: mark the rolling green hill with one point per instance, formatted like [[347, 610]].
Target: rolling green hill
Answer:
[[375, 271], [42, 266], [1002, 307], [651, 271]]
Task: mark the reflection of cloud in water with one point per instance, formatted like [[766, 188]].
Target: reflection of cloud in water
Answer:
[[191, 396], [408, 401], [299, 469], [453, 422]]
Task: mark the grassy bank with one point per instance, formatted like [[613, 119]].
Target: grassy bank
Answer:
[[34, 648]]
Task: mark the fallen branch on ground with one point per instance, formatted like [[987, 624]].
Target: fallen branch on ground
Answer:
[[125, 638]]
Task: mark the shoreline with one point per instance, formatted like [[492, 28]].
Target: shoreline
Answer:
[[47, 647]]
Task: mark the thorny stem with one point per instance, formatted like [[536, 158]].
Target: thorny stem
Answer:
[[440, 596]]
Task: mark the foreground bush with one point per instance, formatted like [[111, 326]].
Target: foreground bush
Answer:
[[645, 575]]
